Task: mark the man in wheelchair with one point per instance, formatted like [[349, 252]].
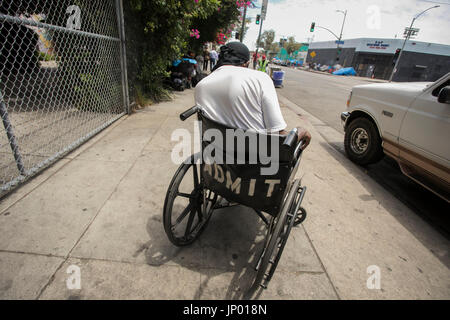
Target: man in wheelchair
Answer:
[[235, 98], [240, 97]]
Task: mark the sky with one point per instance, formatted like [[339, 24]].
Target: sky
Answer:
[[365, 19]]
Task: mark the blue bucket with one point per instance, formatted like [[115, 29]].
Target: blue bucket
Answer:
[[278, 75], [278, 83]]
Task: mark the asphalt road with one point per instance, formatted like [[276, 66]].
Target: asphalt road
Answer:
[[324, 96]]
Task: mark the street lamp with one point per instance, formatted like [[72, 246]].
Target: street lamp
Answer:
[[342, 29], [408, 34], [343, 22]]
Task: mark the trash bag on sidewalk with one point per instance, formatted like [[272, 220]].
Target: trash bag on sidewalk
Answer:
[[345, 72]]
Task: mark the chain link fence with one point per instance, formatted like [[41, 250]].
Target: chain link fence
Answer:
[[63, 79]]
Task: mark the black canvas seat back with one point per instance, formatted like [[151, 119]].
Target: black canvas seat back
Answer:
[[250, 168]]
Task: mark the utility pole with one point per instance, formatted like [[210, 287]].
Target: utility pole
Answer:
[[408, 35], [243, 23], [259, 36], [340, 36], [263, 17]]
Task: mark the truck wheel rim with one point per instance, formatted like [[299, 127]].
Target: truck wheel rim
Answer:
[[359, 141]]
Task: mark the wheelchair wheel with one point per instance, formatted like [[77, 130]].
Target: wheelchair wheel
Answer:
[[301, 216], [277, 236], [188, 205]]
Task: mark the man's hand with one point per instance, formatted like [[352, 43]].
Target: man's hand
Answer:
[[305, 136]]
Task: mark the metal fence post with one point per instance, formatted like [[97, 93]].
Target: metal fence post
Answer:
[[11, 136], [123, 55]]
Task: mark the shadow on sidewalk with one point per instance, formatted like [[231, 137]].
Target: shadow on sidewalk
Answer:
[[229, 248]]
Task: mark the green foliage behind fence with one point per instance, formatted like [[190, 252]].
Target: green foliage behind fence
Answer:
[[157, 33]]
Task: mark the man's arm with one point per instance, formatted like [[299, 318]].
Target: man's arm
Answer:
[[273, 118], [303, 135]]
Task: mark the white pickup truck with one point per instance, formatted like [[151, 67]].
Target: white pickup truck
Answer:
[[409, 122]]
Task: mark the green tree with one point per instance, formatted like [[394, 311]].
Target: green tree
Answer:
[[158, 32], [223, 19], [267, 38], [291, 45]]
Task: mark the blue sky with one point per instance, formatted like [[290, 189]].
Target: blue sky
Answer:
[[365, 18]]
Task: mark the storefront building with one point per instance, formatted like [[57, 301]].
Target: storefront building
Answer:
[[371, 57]]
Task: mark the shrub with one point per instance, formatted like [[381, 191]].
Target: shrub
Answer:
[[158, 32]]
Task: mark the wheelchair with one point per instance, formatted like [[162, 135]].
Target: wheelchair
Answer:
[[199, 187]]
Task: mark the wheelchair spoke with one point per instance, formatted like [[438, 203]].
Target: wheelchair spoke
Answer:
[[183, 215], [181, 203], [189, 223], [186, 195], [196, 182]]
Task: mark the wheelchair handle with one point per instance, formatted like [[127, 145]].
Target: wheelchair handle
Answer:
[[189, 113], [291, 138]]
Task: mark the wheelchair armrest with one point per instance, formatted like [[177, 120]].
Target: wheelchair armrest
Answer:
[[291, 138], [188, 113]]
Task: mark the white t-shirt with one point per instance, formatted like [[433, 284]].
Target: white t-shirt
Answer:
[[240, 98], [213, 55]]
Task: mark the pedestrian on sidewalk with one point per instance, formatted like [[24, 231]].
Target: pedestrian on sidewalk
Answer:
[[200, 62], [213, 57], [205, 59], [239, 97], [262, 64], [255, 59]]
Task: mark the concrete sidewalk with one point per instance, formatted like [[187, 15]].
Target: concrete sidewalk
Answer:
[[100, 209]]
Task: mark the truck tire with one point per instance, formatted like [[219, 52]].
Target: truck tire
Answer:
[[362, 142]]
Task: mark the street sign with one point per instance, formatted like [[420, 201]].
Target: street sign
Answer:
[[411, 32], [264, 9], [339, 41], [312, 54]]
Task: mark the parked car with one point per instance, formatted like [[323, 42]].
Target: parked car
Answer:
[[409, 122]]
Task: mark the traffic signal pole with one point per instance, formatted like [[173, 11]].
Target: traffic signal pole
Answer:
[[328, 31], [401, 51], [243, 23], [262, 17], [408, 35], [340, 36], [259, 37]]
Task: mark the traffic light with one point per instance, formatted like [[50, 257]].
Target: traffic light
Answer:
[[258, 17], [313, 25], [397, 53], [237, 35]]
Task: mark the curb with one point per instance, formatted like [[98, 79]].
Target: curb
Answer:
[[330, 74], [333, 137]]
